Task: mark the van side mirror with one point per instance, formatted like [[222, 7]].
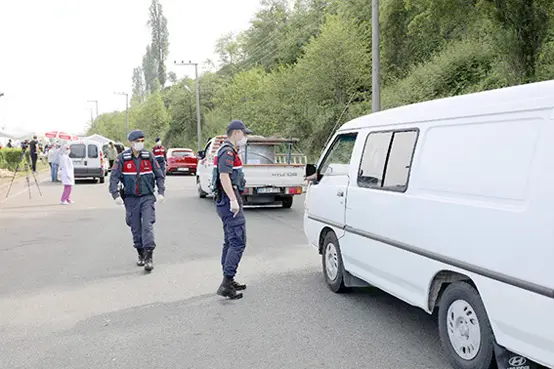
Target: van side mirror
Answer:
[[311, 169]]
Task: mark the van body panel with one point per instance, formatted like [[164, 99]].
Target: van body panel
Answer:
[[472, 192]]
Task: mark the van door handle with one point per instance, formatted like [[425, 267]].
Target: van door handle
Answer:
[[340, 193]]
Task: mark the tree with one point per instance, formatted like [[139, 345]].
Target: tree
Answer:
[[172, 77], [149, 67], [521, 29], [228, 49], [138, 85], [160, 39]]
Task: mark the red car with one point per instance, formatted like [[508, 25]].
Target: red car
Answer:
[[181, 161]]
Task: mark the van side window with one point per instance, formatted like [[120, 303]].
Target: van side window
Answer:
[[387, 159], [338, 157], [92, 151]]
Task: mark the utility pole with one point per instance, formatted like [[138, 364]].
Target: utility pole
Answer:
[[126, 111], [91, 118], [198, 129], [375, 59], [96, 102]]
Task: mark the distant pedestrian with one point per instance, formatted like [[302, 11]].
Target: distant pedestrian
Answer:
[[228, 178], [68, 176], [9, 145], [160, 154], [140, 173], [112, 154], [33, 151], [54, 160]]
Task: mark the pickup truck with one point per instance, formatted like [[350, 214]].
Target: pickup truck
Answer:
[[273, 170]]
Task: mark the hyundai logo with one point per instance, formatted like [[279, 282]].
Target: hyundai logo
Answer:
[[517, 361]]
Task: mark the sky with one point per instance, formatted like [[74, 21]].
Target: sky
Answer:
[[56, 55]]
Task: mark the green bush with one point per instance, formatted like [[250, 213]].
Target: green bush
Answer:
[[9, 158], [455, 71]]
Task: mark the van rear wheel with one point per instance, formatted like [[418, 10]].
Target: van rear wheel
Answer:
[[464, 328], [333, 268]]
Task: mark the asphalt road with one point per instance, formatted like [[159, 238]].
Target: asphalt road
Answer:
[[71, 297]]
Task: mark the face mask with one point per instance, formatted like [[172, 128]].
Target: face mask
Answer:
[[242, 141], [138, 146]]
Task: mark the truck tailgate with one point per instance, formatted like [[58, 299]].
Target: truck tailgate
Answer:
[[274, 175]]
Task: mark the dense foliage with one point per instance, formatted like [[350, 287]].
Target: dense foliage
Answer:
[[300, 68]]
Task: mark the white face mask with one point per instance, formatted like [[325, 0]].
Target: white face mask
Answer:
[[138, 146], [242, 142]]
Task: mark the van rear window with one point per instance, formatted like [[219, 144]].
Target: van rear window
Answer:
[[92, 151], [77, 151]]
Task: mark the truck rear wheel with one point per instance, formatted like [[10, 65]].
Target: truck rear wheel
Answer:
[[287, 202], [201, 193]]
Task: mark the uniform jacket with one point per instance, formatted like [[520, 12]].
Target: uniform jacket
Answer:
[[227, 160], [139, 176], [159, 153]]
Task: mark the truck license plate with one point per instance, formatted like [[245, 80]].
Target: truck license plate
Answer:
[[269, 190]]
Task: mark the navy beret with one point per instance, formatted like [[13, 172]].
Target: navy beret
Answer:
[[135, 135]]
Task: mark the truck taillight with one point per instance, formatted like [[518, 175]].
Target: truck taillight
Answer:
[[294, 190]]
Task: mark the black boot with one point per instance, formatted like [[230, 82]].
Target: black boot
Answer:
[[227, 290], [148, 261], [140, 261], [238, 286]]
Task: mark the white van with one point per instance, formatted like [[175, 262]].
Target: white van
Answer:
[[88, 160], [449, 206]]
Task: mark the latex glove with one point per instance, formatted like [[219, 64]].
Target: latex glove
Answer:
[[235, 207], [161, 198], [119, 201]]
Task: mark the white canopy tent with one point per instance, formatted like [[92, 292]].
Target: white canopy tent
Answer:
[[98, 138]]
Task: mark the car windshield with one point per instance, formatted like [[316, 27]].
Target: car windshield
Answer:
[[181, 154]]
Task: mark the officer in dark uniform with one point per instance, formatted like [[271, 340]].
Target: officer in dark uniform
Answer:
[[139, 173], [229, 186], [160, 154]]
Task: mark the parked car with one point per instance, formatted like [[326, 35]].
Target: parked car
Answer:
[[181, 161], [273, 169], [88, 160], [448, 205]]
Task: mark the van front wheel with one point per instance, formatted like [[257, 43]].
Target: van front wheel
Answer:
[[464, 328], [333, 268]]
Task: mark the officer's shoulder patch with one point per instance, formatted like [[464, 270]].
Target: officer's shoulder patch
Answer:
[[229, 152]]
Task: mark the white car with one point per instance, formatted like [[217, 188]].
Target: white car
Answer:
[[449, 206], [88, 160]]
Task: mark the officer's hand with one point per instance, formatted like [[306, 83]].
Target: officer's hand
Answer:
[[119, 201], [235, 207], [161, 198]]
